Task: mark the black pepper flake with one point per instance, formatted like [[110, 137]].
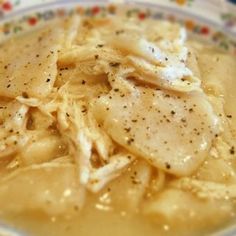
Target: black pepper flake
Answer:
[[166, 59], [114, 64], [37, 55], [83, 82], [40, 39], [134, 121], [67, 114], [190, 110], [229, 116], [65, 68], [25, 95], [107, 108], [100, 45], [119, 32], [172, 112], [84, 110], [96, 57], [48, 80], [127, 129], [125, 107], [232, 150], [8, 86], [135, 181], [168, 166], [116, 90], [129, 141]]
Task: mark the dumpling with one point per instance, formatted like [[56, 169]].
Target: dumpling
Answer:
[[172, 131], [28, 64], [51, 188]]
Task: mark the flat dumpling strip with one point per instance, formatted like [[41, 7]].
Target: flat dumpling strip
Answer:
[[206, 189], [174, 77], [12, 128], [218, 71], [152, 41], [160, 61], [42, 149], [173, 207], [127, 192], [51, 188], [140, 47], [173, 132], [217, 169], [28, 64]]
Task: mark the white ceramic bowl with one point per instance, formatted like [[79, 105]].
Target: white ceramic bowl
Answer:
[[208, 20]]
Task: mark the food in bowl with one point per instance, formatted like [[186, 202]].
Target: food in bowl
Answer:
[[115, 124]]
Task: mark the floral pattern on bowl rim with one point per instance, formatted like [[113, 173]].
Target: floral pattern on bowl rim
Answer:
[[16, 17], [26, 19]]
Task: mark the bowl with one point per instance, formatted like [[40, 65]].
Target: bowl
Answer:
[[212, 21]]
